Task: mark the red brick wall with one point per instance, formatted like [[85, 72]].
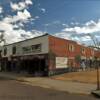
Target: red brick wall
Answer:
[[60, 47], [97, 54]]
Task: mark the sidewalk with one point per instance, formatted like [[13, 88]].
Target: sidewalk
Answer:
[[67, 86]]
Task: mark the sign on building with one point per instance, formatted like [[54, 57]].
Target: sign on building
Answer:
[[61, 62]]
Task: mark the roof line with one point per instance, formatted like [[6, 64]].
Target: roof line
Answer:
[[27, 39]]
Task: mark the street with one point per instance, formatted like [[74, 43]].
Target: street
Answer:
[[14, 90]]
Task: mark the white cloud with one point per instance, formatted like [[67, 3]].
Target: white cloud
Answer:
[[1, 9], [74, 23], [23, 15], [72, 36], [20, 34], [20, 5], [43, 10], [57, 22], [37, 17], [65, 25], [90, 23], [63, 35], [13, 35], [12, 26], [14, 6], [79, 33], [28, 2], [89, 27]]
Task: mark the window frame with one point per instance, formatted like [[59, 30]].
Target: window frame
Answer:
[[5, 51], [14, 50]]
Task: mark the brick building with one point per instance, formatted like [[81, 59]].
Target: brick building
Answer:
[[44, 55]]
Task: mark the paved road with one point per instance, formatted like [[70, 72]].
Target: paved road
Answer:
[[66, 86], [14, 90]]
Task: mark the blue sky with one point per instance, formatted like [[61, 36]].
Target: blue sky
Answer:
[[70, 19]]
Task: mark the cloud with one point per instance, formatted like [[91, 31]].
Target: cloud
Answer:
[[1, 9], [80, 33], [20, 34], [20, 5], [57, 22], [89, 27], [37, 17], [72, 36], [43, 10], [63, 35], [13, 26], [21, 16], [28, 2], [13, 33], [74, 23], [65, 25]]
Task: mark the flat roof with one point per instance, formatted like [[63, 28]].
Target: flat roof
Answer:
[[28, 39], [46, 34]]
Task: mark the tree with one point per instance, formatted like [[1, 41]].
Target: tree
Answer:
[[78, 59]]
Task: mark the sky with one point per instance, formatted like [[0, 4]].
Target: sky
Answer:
[[70, 19]]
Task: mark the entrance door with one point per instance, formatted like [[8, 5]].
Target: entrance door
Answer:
[[35, 66], [38, 67]]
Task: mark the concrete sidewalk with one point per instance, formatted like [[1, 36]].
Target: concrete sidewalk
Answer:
[[68, 86]]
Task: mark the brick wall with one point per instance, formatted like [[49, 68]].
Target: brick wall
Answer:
[[59, 47]]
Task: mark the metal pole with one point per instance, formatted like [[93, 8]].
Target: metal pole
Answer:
[[97, 65], [98, 82]]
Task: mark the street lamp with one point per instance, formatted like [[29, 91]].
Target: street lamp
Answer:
[[96, 44]]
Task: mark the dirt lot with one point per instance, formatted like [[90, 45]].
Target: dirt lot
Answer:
[[89, 76]]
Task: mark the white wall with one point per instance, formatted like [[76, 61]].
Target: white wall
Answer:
[[43, 40]]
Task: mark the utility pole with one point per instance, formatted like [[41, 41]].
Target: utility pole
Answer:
[[96, 44]]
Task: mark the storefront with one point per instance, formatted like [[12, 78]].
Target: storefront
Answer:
[[31, 64]]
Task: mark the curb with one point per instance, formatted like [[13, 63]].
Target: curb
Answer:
[[96, 93], [30, 83]]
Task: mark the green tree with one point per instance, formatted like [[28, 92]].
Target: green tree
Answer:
[[78, 58]]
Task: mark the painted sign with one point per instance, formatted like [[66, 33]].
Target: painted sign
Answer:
[[61, 62]]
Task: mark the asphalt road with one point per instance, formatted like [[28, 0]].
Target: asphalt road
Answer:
[[14, 90]]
